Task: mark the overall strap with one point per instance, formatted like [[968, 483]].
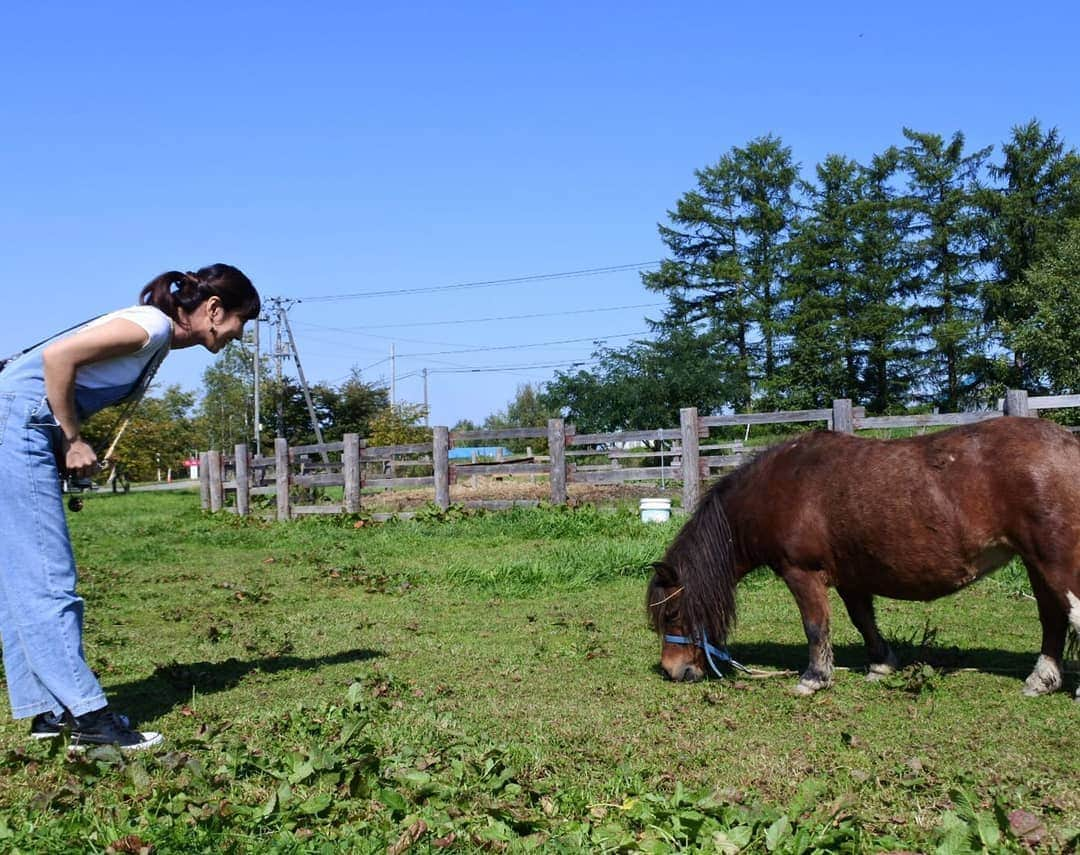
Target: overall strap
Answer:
[[138, 390], [23, 352]]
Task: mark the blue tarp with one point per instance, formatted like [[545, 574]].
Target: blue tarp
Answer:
[[491, 451]]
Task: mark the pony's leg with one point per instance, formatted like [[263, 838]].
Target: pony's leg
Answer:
[[1074, 619], [1046, 677], [860, 608], [812, 597]]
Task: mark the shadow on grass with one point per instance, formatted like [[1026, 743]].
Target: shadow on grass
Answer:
[[794, 657], [172, 684]]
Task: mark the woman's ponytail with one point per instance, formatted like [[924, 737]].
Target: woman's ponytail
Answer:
[[174, 291]]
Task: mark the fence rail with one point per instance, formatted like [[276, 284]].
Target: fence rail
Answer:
[[925, 420], [353, 465]]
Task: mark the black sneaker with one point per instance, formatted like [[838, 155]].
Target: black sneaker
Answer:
[[104, 727], [46, 725]]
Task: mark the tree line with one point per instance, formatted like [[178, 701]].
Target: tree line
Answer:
[[931, 275]]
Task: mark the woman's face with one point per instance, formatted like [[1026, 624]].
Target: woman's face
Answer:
[[221, 326], [229, 328]]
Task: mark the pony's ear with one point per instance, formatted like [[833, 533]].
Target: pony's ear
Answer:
[[665, 573]]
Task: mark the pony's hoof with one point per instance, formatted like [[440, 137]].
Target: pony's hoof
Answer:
[[1044, 679], [1035, 689], [805, 688], [879, 671]]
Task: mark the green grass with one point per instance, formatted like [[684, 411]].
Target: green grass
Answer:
[[487, 682]]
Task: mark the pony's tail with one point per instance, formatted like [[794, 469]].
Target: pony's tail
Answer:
[[703, 555]]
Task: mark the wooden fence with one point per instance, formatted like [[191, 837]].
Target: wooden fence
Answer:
[[684, 454]]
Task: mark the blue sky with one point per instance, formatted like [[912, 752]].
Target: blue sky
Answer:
[[336, 148]]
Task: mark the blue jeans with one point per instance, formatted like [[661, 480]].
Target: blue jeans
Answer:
[[41, 618]]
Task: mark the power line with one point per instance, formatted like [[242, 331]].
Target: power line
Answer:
[[489, 283], [353, 348], [594, 338], [494, 368], [374, 364], [336, 345], [362, 329]]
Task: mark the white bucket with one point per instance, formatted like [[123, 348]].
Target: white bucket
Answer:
[[655, 510]]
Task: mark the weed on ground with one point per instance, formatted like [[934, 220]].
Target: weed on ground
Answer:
[[486, 682]]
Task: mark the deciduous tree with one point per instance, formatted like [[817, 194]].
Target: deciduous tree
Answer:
[[1031, 210], [1049, 332]]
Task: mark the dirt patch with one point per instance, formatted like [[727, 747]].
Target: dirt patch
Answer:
[[486, 488]]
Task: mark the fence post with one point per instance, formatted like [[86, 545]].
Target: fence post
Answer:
[[204, 480], [281, 476], [557, 450], [1016, 403], [843, 417], [243, 482], [350, 468], [691, 475], [440, 459], [213, 461]]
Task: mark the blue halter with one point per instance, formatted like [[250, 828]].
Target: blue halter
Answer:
[[712, 652]]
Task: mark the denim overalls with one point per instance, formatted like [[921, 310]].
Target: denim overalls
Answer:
[[40, 615]]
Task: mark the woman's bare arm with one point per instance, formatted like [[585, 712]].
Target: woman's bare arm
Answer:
[[62, 359]]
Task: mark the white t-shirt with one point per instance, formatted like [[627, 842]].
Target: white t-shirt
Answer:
[[125, 370]]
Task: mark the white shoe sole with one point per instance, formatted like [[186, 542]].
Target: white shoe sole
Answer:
[[150, 739]]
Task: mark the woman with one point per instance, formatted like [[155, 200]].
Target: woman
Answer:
[[45, 394]]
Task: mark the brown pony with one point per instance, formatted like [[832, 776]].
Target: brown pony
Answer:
[[911, 519]]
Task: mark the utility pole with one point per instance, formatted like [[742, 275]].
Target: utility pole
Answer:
[[427, 421], [393, 377], [303, 382], [258, 373], [279, 354]]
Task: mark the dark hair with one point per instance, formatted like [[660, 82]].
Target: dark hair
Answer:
[[173, 291]]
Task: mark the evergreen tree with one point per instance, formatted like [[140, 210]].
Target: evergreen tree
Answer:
[[847, 324], [823, 321], [728, 243], [885, 329], [767, 191], [946, 269]]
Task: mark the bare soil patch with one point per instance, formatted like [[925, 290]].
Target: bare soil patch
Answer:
[[486, 488]]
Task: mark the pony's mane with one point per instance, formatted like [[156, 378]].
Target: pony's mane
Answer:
[[701, 560]]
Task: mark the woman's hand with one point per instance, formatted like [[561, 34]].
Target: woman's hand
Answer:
[[61, 360], [79, 458]]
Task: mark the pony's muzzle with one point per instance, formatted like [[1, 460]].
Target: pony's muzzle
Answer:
[[679, 664], [685, 673]]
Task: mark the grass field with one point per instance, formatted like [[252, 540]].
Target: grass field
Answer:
[[487, 683]]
